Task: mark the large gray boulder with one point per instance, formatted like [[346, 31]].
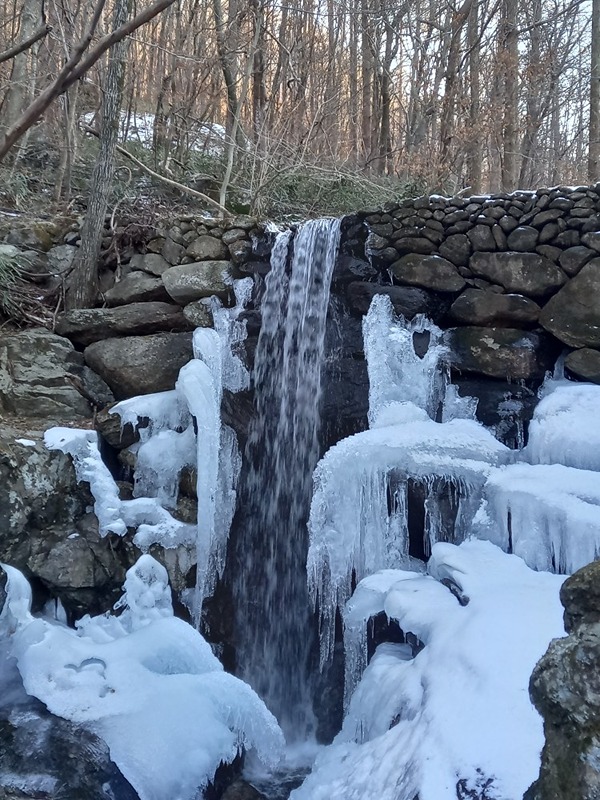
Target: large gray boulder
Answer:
[[140, 364], [501, 352], [136, 287], [573, 315], [189, 282], [87, 325], [41, 375], [584, 364], [429, 272], [207, 248], [565, 688], [478, 307], [524, 273]]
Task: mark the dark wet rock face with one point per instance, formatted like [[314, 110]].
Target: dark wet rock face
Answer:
[[565, 688]]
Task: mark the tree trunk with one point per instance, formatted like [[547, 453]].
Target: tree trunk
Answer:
[[474, 150], [21, 77], [594, 146], [510, 147], [83, 286]]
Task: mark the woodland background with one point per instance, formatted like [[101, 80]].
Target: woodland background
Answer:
[[299, 106]]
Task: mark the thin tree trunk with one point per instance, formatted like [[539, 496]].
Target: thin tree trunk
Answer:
[[474, 150], [511, 97], [83, 288], [594, 145]]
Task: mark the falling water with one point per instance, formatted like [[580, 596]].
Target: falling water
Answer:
[[274, 619]]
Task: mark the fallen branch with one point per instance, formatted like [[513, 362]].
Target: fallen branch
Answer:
[[181, 186], [26, 44], [75, 68]]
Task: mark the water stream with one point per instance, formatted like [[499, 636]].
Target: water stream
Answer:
[[274, 624]]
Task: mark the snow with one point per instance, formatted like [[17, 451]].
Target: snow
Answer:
[[26, 442], [548, 514], [459, 711], [145, 682], [564, 428]]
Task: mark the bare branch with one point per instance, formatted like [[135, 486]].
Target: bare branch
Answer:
[[43, 31]]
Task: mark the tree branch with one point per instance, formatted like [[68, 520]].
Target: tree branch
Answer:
[[13, 51], [75, 68], [181, 186]]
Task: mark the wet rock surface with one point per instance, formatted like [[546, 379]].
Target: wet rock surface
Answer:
[[565, 688]]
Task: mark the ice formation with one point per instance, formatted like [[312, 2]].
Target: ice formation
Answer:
[[177, 429], [378, 468], [457, 716], [145, 682]]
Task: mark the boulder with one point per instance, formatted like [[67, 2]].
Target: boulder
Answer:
[[457, 249], [565, 689], [207, 248], [41, 375], [477, 307], [140, 364], [524, 273], [189, 282], [592, 240], [86, 325], [136, 287], [152, 263], [60, 258], [349, 268], [584, 364], [573, 259], [407, 300], [429, 272], [501, 352], [573, 315], [414, 244], [45, 529], [523, 239], [199, 314], [482, 238]]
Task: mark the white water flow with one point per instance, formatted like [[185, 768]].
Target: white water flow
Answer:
[[273, 619]]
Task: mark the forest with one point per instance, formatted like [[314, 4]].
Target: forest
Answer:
[[300, 105]]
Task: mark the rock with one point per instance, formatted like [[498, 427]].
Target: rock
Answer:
[[505, 406], [152, 263], [573, 315], [573, 259], [136, 287], [592, 240], [580, 595], [349, 268], [60, 258], [407, 300], [476, 307], [233, 235], [241, 790], [240, 251], [109, 427], [414, 244], [457, 249], [45, 529], [430, 272], [482, 238], [523, 239], [565, 689], [37, 236], [172, 251], [207, 248], [584, 364], [86, 325], [41, 376], [140, 364], [501, 352], [190, 282], [524, 273], [199, 314]]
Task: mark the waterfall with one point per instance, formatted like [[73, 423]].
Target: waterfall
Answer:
[[273, 613]]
